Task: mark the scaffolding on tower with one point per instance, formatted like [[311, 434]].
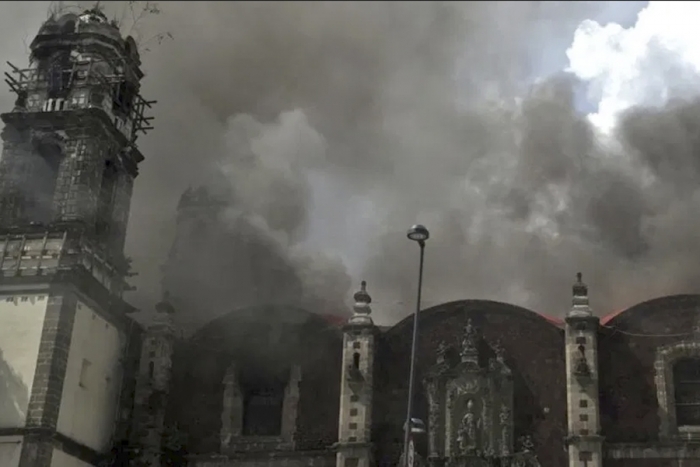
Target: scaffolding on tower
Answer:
[[75, 111]]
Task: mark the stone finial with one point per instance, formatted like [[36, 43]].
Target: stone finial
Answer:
[[469, 351], [579, 302], [361, 308]]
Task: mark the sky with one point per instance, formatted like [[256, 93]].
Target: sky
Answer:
[[534, 139]]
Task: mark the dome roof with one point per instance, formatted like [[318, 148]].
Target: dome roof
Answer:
[[435, 311], [669, 303]]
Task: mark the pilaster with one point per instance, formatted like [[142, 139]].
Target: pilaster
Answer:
[[47, 389]]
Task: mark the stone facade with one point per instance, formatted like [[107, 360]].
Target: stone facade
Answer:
[[276, 386]]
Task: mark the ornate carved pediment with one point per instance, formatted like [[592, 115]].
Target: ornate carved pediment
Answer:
[[470, 396]]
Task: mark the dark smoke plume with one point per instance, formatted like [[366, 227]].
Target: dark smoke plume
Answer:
[[329, 128]]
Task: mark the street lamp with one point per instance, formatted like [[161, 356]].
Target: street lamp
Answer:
[[420, 234]]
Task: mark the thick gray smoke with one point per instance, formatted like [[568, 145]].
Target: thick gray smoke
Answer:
[[332, 127]]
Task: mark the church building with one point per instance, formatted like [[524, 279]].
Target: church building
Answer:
[[84, 384]]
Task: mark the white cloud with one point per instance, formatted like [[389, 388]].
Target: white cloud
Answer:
[[647, 64]]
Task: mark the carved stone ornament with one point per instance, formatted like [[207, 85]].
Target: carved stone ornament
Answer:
[[526, 444], [469, 351], [526, 456], [441, 352], [471, 407]]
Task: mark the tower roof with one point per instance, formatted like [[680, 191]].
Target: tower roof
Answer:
[[361, 308]]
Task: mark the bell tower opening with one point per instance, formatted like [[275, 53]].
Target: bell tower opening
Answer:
[[41, 190], [123, 101], [58, 74], [106, 198]]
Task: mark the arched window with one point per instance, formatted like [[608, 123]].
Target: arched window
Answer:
[[686, 379]]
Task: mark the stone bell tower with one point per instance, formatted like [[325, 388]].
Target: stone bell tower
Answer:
[[69, 161], [585, 442], [355, 420]]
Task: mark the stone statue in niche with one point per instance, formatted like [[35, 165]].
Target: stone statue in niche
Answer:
[[467, 431]]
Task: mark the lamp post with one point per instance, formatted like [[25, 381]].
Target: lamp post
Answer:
[[420, 234]]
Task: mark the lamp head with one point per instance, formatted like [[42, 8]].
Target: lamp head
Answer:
[[418, 233]]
